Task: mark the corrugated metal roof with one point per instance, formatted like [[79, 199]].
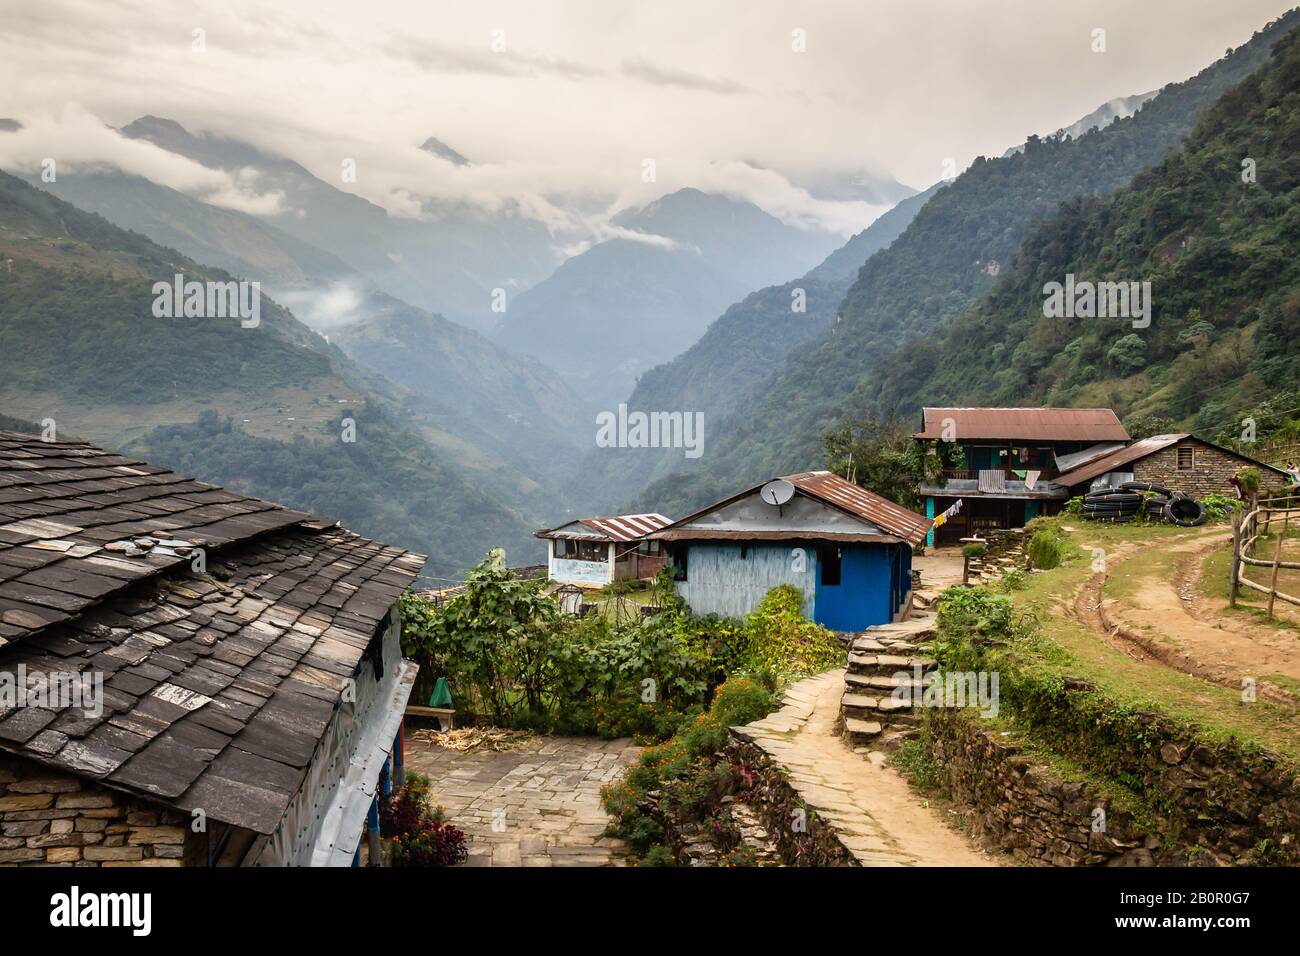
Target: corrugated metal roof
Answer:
[[831, 488], [1140, 449], [616, 527], [1130, 453], [628, 527], [1079, 458], [1028, 424]]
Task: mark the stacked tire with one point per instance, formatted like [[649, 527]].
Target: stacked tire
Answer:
[[1134, 498]]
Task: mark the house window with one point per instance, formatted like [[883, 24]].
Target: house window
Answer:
[[1186, 458], [572, 550], [829, 559], [648, 548], [744, 551], [679, 562]]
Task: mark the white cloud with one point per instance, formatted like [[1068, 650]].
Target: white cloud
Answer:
[[562, 116], [76, 140]]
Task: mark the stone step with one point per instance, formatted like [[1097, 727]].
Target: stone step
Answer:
[[862, 731], [887, 682], [888, 663], [883, 705], [868, 644]]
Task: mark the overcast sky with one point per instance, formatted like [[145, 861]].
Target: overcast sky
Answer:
[[552, 97]]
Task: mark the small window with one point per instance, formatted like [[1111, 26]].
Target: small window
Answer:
[[744, 551], [1186, 458], [678, 558], [829, 559]]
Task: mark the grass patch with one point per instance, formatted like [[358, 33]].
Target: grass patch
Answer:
[[1062, 647]]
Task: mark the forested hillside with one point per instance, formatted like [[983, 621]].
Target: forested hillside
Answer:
[[949, 256], [79, 343], [1219, 252]]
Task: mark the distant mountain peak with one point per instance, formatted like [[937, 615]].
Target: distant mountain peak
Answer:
[[9, 125], [149, 127], [443, 151]]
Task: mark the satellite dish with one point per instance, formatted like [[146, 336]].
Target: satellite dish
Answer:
[[777, 492]]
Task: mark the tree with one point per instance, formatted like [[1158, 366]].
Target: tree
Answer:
[[877, 454]]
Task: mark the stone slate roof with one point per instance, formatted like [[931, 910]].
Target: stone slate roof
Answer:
[[218, 686], [70, 514]]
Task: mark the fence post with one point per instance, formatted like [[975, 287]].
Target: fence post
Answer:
[[1236, 557], [1272, 587]]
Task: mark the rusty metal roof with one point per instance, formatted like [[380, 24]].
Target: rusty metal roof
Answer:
[[834, 490], [1026, 424], [1140, 449], [616, 527]]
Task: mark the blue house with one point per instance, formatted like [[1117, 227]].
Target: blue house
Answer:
[[848, 550]]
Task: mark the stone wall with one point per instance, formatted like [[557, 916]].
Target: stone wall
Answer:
[[48, 818], [775, 798], [1219, 805], [1210, 473]]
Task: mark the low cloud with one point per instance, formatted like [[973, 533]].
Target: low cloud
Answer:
[[76, 140]]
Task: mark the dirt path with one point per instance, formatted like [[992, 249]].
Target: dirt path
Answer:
[[1163, 618], [877, 816]]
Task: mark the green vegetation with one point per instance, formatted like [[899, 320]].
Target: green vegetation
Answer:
[[79, 343], [1217, 250], [687, 774], [513, 659], [1046, 544]]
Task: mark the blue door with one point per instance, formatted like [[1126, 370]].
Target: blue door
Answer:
[[860, 594]]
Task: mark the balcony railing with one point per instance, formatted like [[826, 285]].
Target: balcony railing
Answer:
[[971, 474]]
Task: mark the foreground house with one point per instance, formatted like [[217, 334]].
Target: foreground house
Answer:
[[594, 552], [1011, 458], [848, 550], [1178, 462], [247, 656]]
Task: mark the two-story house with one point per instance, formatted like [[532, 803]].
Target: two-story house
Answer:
[[1008, 460]]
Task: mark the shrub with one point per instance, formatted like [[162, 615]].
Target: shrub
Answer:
[[658, 855], [687, 766], [976, 549], [1219, 507], [1045, 549], [974, 610], [420, 835], [1074, 507], [782, 640]]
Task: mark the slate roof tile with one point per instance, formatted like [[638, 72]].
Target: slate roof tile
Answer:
[[217, 686]]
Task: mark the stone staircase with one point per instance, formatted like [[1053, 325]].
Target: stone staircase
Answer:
[[872, 716]]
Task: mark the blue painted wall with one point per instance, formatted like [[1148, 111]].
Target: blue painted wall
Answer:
[[868, 590]]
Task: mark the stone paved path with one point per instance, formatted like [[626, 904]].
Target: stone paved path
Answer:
[[877, 816], [538, 805]]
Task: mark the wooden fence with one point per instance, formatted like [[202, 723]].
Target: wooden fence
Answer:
[[1247, 530]]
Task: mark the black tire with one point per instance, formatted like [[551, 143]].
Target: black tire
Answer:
[[1145, 486], [1185, 512]]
